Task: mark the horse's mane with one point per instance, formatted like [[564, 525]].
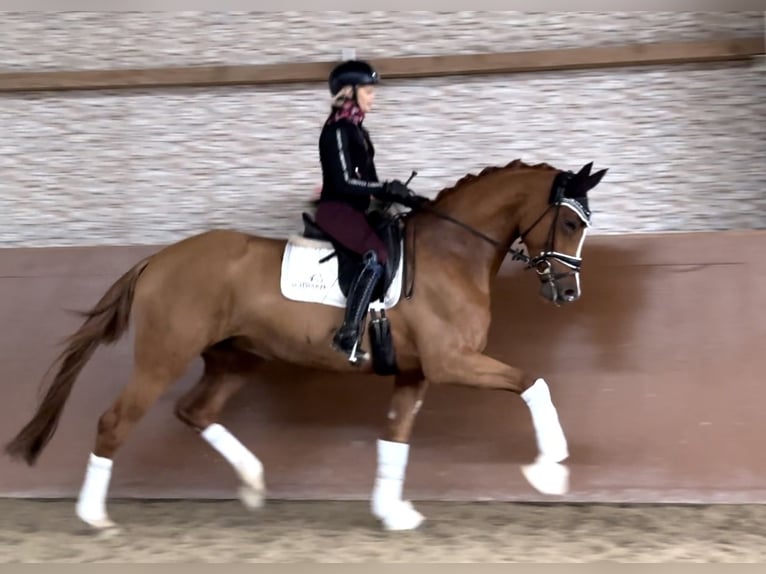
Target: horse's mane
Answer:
[[515, 164]]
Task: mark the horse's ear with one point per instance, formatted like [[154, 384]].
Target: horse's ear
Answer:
[[584, 170], [594, 180]]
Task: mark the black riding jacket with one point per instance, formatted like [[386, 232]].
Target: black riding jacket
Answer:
[[347, 157]]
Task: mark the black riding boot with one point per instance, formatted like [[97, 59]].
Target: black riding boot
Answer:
[[347, 337]]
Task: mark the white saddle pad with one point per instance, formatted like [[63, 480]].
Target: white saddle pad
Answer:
[[307, 280]]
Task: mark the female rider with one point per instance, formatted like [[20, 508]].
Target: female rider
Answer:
[[349, 180]]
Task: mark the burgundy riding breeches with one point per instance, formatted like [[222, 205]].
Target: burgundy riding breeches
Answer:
[[350, 228]]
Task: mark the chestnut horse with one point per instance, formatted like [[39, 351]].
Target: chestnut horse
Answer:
[[217, 295]]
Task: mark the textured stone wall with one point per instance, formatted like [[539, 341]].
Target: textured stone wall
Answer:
[[686, 145]]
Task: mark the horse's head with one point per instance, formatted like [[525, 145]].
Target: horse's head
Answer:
[[503, 204], [554, 234]]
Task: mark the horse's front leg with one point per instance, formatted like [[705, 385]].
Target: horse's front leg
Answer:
[[474, 369], [393, 453]]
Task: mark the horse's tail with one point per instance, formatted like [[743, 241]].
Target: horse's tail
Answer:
[[104, 323]]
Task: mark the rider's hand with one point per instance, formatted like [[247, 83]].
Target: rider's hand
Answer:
[[396, 189]]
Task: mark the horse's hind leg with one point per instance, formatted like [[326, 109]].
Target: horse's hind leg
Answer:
[[393, 452], [146, 386], [226, 369]]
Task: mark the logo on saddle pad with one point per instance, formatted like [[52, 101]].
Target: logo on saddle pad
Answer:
[[306, 280]]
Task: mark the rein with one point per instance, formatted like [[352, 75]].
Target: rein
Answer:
[[516, 254]]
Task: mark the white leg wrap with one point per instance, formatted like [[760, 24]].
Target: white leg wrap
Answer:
[[546, 474], [245, 463], [91, 503], [551, 441], [389, 480], [387, 503]]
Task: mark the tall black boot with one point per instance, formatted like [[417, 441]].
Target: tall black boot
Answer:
[[347, 337]]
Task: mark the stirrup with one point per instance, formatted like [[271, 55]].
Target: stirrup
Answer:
[[355, 354], [358, 354]]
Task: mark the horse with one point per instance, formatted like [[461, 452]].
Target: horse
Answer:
[[220, 295]]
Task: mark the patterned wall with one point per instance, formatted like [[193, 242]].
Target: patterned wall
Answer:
[[686, 145]]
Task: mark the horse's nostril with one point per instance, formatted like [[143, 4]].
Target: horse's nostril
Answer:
[[570, 293]]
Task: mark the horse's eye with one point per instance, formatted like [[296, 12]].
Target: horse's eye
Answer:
[[570, 225]]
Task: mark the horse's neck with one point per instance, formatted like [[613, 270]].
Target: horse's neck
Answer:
[[491, 206]]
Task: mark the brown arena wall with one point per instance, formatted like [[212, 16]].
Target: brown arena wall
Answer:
[[658, 374]]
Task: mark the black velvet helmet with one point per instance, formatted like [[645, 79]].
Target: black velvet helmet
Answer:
[[352, 73]]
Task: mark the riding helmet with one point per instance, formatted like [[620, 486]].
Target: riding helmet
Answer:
[[352, 73]]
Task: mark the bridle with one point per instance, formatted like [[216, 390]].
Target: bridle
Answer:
[[542, 262]]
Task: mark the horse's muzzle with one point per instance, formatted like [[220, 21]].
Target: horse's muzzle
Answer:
[[561, 289]]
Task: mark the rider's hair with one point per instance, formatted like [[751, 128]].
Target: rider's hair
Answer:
[[345, 93]]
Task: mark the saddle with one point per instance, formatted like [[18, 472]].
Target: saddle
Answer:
[[389, 231]]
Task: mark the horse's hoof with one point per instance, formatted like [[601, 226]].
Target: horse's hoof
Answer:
[[95, 518], [251, 497], [103, 526], [401, 516], [547, 477], [109, 531]]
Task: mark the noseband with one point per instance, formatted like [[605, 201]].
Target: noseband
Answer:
[[542, 263]]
